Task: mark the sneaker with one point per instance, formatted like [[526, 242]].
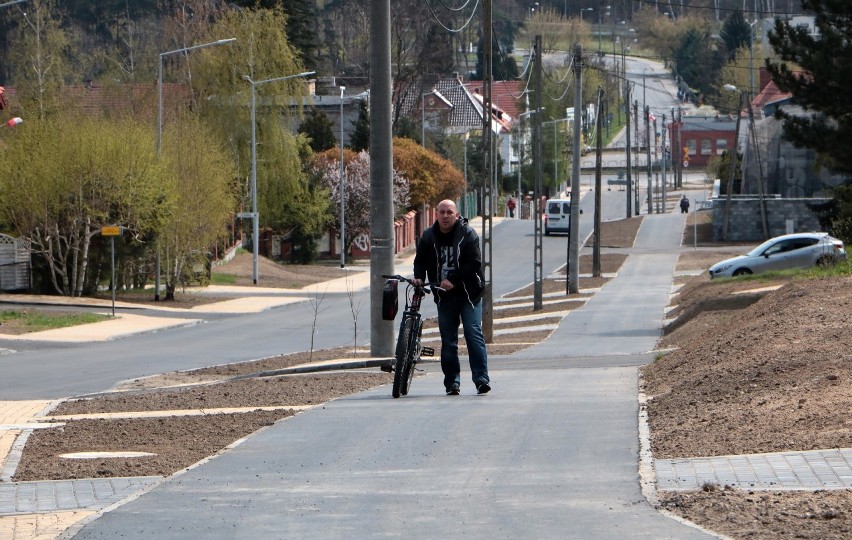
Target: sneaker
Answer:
[[453, 390], [483, 388]]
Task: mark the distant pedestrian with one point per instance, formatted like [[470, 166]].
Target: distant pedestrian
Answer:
[[510, 204], [684, 205]]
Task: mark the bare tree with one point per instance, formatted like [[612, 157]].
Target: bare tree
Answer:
[[355, 309], [316, 301], [40, 60]]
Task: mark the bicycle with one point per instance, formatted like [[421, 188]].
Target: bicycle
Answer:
[[409, 349]]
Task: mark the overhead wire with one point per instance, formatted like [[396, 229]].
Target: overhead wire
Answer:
[[447, 28], [449, 8]]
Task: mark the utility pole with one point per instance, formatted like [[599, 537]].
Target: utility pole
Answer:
[[760, 187], [657, 174], [487, 195], [679, 148], [627, 149], [733, 164], [636, 207], [675, 163], [648, 139], [596, 250], [342, 188], [537, 244], [663, 162], [573, 282], [381, 170]]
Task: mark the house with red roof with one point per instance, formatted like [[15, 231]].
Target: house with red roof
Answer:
[[454, 106]]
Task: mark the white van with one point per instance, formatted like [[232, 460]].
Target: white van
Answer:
[[557, 216]]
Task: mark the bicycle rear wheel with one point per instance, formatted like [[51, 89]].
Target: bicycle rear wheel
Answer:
[[401, 370]]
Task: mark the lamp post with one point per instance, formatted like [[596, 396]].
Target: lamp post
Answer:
[[466, 134], [342, 189], [555, 153], [600, 26], [423, 119], [521, 157], [254, 215], [160, 128], [160, 82], [532, 9], [12, 3], [584, 9]]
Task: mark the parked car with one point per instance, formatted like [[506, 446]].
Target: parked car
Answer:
[[800, 250], [557, 216]]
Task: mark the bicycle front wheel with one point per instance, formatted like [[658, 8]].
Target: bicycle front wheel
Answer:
[[413, 355], [401, 370]]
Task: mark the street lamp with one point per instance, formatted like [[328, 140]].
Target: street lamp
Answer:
[[160, 82], [600, 26], [584, 9], [555, 153], [466, 135], [342, 189], [160, 128], [12, 3], [532, 9], [521, 155], [254, 216]]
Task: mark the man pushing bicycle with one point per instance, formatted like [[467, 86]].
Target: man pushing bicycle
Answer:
[[449, 254]]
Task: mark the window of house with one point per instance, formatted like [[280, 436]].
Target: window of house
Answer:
[[721, 146], [691, 148], [706, 147]]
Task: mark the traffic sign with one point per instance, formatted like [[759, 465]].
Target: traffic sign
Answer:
[[111, 231]]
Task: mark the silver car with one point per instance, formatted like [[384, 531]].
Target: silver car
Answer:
[[800, 250]]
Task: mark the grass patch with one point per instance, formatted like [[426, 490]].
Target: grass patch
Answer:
[[36, 321], [835, 270], [218, 278]]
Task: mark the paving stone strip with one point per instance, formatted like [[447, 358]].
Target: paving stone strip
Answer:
[[812, 470]]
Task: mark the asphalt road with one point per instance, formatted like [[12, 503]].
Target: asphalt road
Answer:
[[49, 370]]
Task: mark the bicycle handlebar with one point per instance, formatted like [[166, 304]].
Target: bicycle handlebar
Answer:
[[431, 286]]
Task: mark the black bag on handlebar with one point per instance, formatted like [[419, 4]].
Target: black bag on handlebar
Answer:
[[390, 300]]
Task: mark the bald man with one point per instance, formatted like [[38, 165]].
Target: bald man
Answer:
[[449, 255]]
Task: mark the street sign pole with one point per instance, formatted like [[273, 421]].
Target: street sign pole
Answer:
[[112, 264], [112, 232]]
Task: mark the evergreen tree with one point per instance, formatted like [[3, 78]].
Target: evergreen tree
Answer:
[[503, 64], [735, 33], [360, 138], [697, 61], [302, 29], [301, 26], [822, 87], [318, 129]]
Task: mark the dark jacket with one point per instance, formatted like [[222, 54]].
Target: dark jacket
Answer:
[[464, 267]]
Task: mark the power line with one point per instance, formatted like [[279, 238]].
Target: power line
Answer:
[[461, 8], [447, 28]]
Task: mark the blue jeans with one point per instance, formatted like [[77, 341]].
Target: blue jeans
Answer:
[[451, 311]]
